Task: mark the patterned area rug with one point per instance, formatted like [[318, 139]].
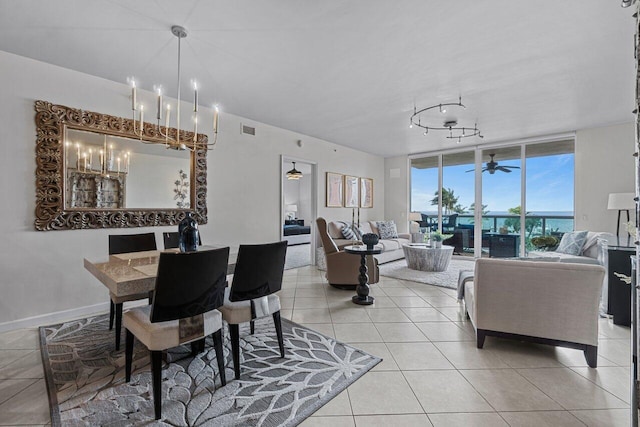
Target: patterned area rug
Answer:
[[85, 378], [446, 279], [298, 256]]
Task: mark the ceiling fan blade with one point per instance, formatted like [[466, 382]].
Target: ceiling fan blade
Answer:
[[511, 167], [503, 169], [470, 170]]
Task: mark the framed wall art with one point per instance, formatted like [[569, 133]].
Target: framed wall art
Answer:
[[334, 190], [366, 192], [351, 193]]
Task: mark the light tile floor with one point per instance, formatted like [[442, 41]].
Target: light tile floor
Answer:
[[432, 373]]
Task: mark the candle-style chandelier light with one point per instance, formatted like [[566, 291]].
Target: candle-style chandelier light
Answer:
[[110, 159], [172, 141], [422, 119]]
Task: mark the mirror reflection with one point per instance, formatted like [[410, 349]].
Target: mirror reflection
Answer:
[[109, 172]]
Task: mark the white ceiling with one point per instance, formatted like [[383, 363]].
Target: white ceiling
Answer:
[[350, 71]]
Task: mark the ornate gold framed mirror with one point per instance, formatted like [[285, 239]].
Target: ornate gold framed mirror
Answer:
[[99, 171]]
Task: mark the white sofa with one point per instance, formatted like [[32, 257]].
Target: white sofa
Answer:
[[545, 302], [593, 252], [391, 248]]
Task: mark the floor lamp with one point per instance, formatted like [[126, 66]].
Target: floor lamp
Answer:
[[621, 202]]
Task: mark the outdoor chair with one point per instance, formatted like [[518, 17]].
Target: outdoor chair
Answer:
[[189, 288]]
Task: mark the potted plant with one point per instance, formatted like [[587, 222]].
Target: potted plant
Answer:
[[544, 242], [438, 237]]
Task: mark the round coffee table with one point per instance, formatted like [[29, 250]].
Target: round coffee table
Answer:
[[425, 258]]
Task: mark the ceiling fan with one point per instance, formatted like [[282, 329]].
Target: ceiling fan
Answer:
[[492, 167]]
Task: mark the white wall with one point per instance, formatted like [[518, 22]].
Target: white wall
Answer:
[[42, 272], [603, 164]]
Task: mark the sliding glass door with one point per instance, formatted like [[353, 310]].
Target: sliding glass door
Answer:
[[522, 192]]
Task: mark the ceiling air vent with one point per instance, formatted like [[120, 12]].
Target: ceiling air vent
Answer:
[[248, 130]]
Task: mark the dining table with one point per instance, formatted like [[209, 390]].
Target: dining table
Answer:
[[135, 272]]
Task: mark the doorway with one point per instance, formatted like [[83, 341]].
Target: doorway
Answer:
[[298, 211]]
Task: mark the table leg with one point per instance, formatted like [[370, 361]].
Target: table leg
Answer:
[[362, 289]]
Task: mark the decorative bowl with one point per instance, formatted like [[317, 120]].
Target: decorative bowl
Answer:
[[370, 239]]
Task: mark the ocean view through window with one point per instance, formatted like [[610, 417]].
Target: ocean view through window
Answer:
[[548, 173]]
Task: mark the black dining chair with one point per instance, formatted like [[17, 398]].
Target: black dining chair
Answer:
[[172, 239], [189, 289], [120, 244], [257, 277]]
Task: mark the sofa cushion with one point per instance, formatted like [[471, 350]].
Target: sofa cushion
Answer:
[[334, 228], [365, 228], [572, 243], [389, 245], [559, 257], [387, 229]]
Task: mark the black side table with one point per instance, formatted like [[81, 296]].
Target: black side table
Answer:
[[362, 289], [619, 291]]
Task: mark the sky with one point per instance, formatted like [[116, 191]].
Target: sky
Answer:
[[549, 183]]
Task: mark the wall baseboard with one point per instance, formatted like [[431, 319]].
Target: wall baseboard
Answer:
[[61, 316]]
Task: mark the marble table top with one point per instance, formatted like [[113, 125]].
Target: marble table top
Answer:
[[135, 273]]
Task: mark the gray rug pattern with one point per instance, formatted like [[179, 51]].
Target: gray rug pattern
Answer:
[[446, 279], [298, 256], [85, 378]]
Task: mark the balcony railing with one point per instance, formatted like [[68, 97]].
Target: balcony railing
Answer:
[[535, 225]]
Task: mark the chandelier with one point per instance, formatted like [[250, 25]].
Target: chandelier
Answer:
[[170, 141], [448, 124], [294, 173]]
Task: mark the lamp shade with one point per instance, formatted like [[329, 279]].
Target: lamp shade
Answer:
[[621, 201], [292, 208], [415, 216]]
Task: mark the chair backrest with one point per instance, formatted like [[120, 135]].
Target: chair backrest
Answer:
[[172, 239], [123, 243], [328, 244], [258, 271], [451, 221], [189, 284]]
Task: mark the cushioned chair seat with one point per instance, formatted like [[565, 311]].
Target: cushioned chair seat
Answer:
[[163, 335], [240, 311]]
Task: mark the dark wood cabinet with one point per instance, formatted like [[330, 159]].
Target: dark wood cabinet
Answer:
[[620, 292], [504, 245]]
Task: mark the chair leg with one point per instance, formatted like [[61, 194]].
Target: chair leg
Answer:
[[234, 331], [112, 312], [480, 336], [278, 323], [150, 297], [253, 327], [591, 354], [156, 371], [118, 324], [128, 354], [217, 345]]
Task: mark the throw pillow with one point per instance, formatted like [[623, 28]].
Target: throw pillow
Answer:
[[572, 243], [358, 232], [387, 229], [348, 233]]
